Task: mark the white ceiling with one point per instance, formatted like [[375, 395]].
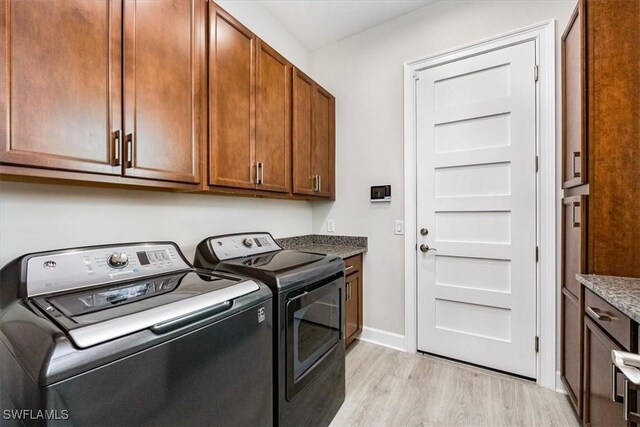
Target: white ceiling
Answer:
[[318, 23]]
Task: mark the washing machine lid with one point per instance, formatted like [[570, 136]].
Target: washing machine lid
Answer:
[[96, 315], [277, 262]]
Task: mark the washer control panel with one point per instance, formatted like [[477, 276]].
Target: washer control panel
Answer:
[[72, 269], [241, 245]]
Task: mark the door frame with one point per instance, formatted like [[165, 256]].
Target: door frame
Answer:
[[546, 198]]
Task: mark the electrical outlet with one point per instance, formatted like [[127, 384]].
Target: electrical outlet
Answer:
[[331, 225], [399, 226]]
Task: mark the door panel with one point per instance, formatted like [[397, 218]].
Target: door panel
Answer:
[[574, 213], [571, 351], [353, 309], [66, 117], [303, 93], [323, 143], [164, 77], [273, 120], [476, 187], [232, 101], [574, 111]]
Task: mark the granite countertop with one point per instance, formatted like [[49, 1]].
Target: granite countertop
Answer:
[[621, 292], [341, 246]]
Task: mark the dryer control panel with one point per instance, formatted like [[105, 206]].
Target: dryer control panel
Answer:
[[57, 271], [241, 245]]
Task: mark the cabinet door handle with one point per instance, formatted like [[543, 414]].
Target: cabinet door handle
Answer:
[[595, 312], [115, 161], [129, 141], [319, 183], [574, 205], [575, 155], [259, 174], [348, 268]]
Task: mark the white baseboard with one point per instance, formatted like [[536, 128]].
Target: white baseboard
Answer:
[[383, 338], [559, 386]]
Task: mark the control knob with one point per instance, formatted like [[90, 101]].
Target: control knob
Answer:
[[248, 242], [118, 260]]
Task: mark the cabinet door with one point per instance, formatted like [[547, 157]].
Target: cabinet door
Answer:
[[60, 96], [599, 407], [574, 241], [303, 93], [323, 141], [273, 120], [571, 349], [164, 95], [574, 102], [353, 307], [231, 101]]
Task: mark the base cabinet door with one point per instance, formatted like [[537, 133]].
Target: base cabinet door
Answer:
[[571, 354], [599, 406], [164, 89], [60, 96], [353, 309]]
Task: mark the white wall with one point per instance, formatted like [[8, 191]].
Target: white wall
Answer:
[[36, 217], [259, 20], [365, 73]]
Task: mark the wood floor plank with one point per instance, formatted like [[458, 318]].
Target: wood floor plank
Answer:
[[386, 387]]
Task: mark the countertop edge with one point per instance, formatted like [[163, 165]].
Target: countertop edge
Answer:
[[621, 303]]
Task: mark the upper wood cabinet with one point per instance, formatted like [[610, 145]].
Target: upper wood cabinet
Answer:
[[61, 98], [273, 120], [313, 138], [232, 59], [165, 89]]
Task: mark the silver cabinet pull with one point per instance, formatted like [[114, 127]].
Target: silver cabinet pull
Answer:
[[319, 183], [129, 142], [595, 312], [426, 248], [575, 155], [115, 161], [574, 206], [259, 173], [348, 268]]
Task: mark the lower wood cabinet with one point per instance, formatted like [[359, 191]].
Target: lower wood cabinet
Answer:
[[571, 349], [599, 407], [353, 298]]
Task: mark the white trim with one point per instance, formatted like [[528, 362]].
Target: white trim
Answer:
[[559, 385], [383, 338], [544, 36]]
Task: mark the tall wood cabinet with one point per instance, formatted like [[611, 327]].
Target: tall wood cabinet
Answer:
[[601, 161]]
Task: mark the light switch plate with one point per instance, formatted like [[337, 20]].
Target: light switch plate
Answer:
[[331, 225], [399, 226]]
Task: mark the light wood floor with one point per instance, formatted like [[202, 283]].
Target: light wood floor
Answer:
[[390, 388]]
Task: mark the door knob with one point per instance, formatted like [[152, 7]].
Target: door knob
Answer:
[[424, 231], [426, 248]]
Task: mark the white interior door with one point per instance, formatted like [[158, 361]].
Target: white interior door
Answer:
[[476, 196]]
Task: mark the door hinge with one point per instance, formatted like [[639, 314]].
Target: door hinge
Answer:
[[537, 253], [537, 344], [537, 164], [535, 73], [416, 75]]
